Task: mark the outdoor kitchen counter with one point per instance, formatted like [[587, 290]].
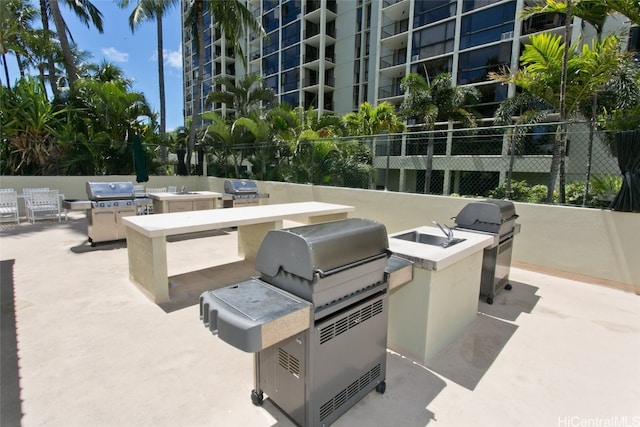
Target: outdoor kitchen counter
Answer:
[[146, 235], [435, 307], [430, 257], [182, 202]]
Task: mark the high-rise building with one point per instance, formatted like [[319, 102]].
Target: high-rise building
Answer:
[[334, 55]]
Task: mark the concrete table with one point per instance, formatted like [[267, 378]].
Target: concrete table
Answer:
[[147, 235]]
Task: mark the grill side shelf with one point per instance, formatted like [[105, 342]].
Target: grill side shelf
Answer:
[[253, 315]]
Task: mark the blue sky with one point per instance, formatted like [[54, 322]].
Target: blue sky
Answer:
[[135, 53]]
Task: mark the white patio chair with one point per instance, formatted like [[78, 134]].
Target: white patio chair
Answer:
[[172, 189], [27, 191], [42, 205], [9, 205], [149, 209]]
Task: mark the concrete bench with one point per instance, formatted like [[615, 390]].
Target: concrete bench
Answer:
[[147, 235]]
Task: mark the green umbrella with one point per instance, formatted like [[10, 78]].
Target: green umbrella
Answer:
[[139, 160]]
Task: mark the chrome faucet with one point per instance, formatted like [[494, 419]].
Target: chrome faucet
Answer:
[[448, 232]]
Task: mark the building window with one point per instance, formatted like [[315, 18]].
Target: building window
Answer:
[[270, 64], [473, 66], [433, 41], [271, 43], [291, 99], [290, 11], [430, 11], [475, 4], [491, 96], [429, 69], [486, 26], [290, 80], [272, 83], [291, 34], [291, 57], [270, 21]]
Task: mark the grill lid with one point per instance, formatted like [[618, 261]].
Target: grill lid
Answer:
[[321, 248], [240, 186], [110, 190], [489, 211]]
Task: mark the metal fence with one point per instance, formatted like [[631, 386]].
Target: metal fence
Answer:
[[501, 162]]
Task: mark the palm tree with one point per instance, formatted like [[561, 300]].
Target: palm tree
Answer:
[[16, 17], [150, 10], [370, 120], [232, 137], [87, 13], [595, 12], [438, 100], [540, 77], [231, 17], [245, 97]]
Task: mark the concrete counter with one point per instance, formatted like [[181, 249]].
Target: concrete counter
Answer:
[[435, 307], [184, 202]]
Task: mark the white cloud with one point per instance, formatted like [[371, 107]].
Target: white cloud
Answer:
[[173, 58], [115, 55]]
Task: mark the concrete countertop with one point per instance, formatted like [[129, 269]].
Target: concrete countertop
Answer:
[[205, 220], [430, 257], [190, 195]]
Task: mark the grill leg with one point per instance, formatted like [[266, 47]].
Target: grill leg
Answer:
[[257, 396]]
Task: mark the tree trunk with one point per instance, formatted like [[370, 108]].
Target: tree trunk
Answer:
[[50, 62], [429, 166], [67, 55], [163, 110], [195, 114], [555, 164], [6, 70]]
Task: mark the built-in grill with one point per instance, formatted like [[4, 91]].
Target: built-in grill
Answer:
[[110, 201], [241, 192], [316, 317], [492, 217]]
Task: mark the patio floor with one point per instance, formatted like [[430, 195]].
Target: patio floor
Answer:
[[82, 346]]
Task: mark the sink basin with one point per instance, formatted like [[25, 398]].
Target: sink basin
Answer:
[[181, 193], [428, 239]]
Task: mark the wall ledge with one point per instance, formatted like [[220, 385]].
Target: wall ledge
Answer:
[[578, 277]]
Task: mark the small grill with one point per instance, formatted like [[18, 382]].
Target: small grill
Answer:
[[316, 317], [110, 201], [493, 217], [241, 192]]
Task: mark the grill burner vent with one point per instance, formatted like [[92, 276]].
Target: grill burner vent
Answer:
[[349, 393], [289, 362], [351, 321]]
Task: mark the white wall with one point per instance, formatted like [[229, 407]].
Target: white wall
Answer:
[[599, 244]]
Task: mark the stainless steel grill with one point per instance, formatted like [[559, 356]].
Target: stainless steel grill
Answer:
[[494, 217], [241, 192], [316, 317], [110, 201]]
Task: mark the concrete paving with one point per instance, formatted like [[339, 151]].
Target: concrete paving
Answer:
[[82, 346]]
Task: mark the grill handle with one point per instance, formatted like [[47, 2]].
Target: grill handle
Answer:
[[322, 274]]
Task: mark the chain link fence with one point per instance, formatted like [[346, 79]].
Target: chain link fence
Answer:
[[500, 162]]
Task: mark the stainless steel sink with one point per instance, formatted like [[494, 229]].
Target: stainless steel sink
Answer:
[[181, 193], [428, 239]]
